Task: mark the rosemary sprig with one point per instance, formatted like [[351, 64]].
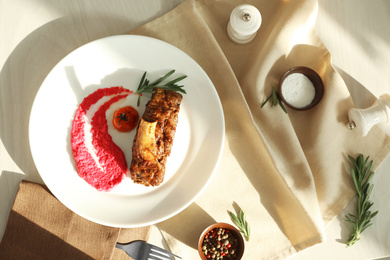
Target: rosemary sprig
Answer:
[[275, 99], [146, 87], [241, 223], [361, 175]]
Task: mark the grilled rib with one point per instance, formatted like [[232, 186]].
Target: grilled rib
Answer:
[[153, 141]]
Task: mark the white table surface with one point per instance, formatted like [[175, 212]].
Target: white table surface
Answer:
[[357, 34]]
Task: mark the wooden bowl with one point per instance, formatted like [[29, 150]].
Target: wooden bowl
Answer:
[[313, 77], [239, 251]]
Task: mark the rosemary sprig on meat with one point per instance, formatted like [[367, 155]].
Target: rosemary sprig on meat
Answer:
[[275, 98], [146, 87], [361, 175], [241, 223]]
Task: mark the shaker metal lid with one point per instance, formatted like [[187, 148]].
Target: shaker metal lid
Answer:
[[245, 19]]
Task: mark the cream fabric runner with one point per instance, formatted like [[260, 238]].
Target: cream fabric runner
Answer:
[[288, 172]]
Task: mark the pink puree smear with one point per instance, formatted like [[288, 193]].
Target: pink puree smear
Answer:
[[111, 157]]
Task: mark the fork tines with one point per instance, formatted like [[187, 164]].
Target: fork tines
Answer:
[[157, 253]]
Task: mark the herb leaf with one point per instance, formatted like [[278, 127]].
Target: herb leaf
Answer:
[[241, 223], [275, 100], [361, 175], [146, 87]]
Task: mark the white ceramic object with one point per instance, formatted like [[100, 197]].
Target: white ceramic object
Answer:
[[362, 120], [245, 21], [121, 61]]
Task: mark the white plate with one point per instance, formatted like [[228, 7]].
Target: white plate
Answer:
[[121, 61]]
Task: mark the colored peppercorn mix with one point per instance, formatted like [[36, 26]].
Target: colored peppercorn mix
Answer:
[[220, 243]]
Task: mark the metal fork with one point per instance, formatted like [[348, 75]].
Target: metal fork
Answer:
[[140, 250]]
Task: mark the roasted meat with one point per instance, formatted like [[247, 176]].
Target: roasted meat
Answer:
[[154, 138]]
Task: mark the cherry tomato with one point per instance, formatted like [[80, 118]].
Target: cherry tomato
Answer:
[[125, 119]]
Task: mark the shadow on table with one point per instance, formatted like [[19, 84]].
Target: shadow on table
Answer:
[[9, 183], [345, 228], [181, 228]]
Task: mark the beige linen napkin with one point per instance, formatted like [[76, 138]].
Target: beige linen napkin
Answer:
[[40, 227], [288, 172]]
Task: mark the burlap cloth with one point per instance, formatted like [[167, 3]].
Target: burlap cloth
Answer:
[[288, 172], [41, 227]]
